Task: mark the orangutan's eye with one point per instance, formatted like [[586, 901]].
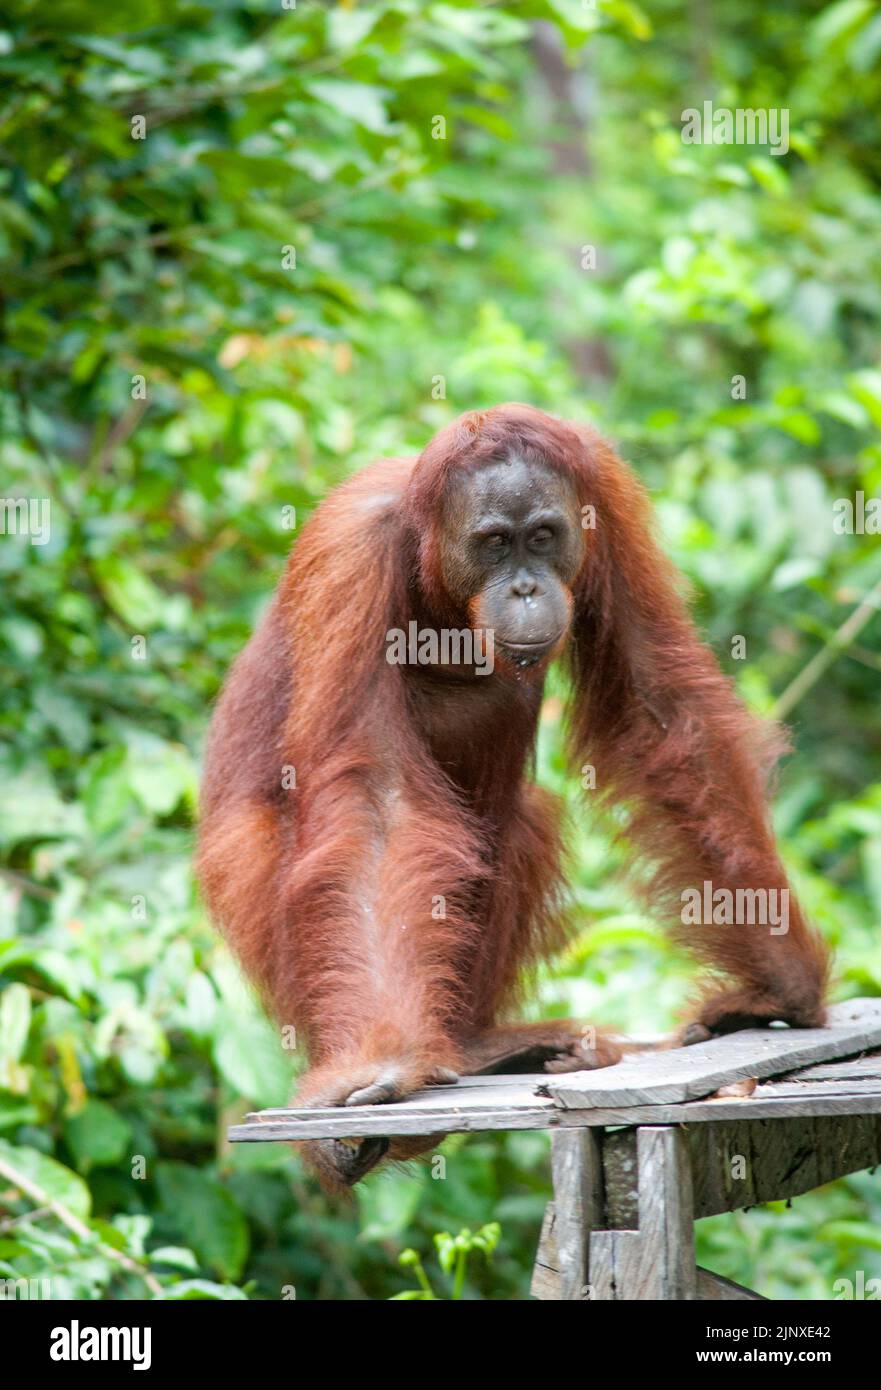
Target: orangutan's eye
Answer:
[[541, 538]]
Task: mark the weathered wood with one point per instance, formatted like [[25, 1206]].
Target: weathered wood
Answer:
[[742, 1163], [666, 1215], [391, 1120], [716, 1288], [546, 1270], [841, 1086], [756, 1107], [657, 1260], [620, 1179], [468, 1093], [721, 1181], [851, 1068], [576, 1169], [687, 1073], [526, 1102], [616, 1251], [401, 1120], [643, 1149], [616, 1261], [734, 1163]]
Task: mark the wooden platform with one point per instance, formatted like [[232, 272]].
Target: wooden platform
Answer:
[[643, 1149]]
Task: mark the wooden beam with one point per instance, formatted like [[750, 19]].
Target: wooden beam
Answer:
[[479, 1103], [686, 1073], [546, 1282], [656, 1261], [576, 1168], [743, 1163], [401, 1119], [715, 1288]]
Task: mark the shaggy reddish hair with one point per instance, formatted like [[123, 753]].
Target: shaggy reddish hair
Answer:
[[327, 891]]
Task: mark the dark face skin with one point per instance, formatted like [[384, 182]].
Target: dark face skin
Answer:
[[511, 549]]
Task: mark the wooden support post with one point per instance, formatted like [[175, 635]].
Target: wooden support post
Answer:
[[657, 1260], [578, 1259], [666, 1212], [576, 1166]]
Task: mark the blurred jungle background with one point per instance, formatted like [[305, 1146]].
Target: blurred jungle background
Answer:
[[335, 227]]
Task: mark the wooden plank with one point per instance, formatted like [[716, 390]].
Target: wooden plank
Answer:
[[616, 1264], [780, 1090], [576, 1168], [715, 1288], [546, 1281], [389, 1120], [686, 1073], [855, 1068], [525, 1102], [724, 1165], [612, 1251], [518, 1094], [520, 1089], [666, 1215], [739, 1164], [859, 1145], [392, 1120], [468, 1090], [754, 1107]]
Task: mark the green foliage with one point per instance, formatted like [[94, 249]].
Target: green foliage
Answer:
[[205, 328], [452, 1254]]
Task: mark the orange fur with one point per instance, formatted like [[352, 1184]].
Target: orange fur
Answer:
[[411, 794]]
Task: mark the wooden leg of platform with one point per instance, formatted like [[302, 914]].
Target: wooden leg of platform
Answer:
[[657, 1260], [576, 1167], [577, 1259]]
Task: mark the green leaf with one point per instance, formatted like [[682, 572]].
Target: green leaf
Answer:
[[359, 101], [387, 1208], [32, 808], [57, 1182], [107, 795], [97, 1136], [177, 1256], [206, 1217], [835, 21], [852, 1233], [482, 25], [130, 593], [632, 17], [347, 28], [866, 387], [15, 1021], [161, 774], [189, 1289], [249, 1055], [65, 715]]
